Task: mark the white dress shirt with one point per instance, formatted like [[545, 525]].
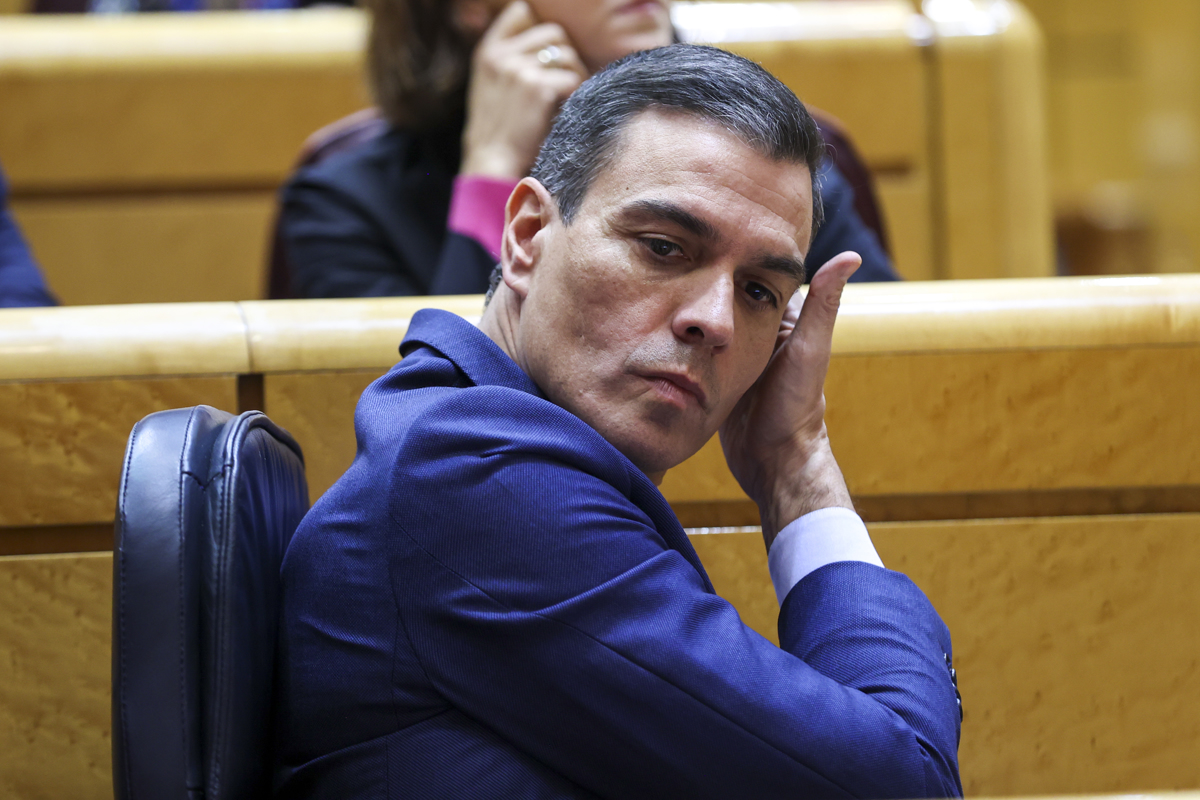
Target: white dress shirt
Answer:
[[818, 538]]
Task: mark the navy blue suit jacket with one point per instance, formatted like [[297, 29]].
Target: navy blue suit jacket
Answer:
[[494, 602], [21, 282]]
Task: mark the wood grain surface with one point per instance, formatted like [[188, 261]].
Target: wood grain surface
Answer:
[[55, 676], [1074, 639], [168, 247], [318, 410], [62, 443]]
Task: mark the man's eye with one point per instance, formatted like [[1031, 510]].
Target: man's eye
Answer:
[[761, 294], [661, 247]]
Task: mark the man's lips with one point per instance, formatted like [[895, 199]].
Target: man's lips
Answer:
[[681, 383]]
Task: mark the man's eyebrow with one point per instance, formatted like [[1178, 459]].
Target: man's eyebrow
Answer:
[[791, 267], [666, 210]]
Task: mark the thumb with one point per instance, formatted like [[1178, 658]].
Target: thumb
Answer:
[[819, 312]]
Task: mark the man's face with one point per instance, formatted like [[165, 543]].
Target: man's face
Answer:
[[653, 312]]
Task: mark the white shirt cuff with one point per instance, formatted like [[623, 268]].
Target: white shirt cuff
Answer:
[[820, 537]]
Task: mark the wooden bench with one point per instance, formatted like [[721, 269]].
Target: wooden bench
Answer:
[[1024, 450], [161, 139]]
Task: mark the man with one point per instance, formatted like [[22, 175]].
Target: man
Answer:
[[496, 601]]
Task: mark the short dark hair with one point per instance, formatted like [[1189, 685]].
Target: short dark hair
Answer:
[[418, 62], [710, 83]]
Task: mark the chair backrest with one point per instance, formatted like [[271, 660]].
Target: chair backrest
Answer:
[[854, 169], [207, 505], [363, 126], [345, 134]]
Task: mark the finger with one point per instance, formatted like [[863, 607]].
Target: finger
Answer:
[[530, 43], [560, 82], [516, 17], [814, 331], [791, 316]]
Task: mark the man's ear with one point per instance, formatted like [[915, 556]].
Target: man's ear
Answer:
[[529, 212]]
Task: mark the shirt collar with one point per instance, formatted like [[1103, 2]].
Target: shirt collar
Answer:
[[468, 348]]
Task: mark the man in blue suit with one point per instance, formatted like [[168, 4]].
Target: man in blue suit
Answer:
[[496, 601]]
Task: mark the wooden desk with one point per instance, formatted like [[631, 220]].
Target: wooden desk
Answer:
[[1022, 449], [161, 139]]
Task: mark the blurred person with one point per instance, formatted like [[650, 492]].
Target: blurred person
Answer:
[[469, 89], [21, 282], [495, 600]]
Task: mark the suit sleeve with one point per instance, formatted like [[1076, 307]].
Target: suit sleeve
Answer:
[[21, 283], [542, 602], [844, 229], [338, 245]]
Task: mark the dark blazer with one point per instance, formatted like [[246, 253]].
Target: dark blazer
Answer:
[[494, 602], [371, 221], [21, 282]]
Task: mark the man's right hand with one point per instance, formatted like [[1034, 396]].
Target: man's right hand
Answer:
[[775, 440], [513, 96]]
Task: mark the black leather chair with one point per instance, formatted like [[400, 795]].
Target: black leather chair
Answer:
[[208, 503]]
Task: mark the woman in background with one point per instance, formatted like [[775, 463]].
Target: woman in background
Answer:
[[469, 89]]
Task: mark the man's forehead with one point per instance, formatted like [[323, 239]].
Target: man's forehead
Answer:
[[677, 164]]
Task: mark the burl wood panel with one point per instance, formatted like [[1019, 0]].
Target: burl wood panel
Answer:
[[62, 443], [55, 637], [317, 408], [1076, 645], [1000, 421], [736, 563], [1075, 641], [151, 249]]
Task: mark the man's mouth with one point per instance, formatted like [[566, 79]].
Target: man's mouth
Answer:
[[677, 388]]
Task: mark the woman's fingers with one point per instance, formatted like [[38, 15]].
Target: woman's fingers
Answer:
[[516, 17]]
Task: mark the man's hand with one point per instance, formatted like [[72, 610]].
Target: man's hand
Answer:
[[513, 95], [775, 440]]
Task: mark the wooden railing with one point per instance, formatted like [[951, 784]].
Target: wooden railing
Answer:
[[1027, 451]]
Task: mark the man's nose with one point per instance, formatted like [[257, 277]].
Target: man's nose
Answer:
[[705, 316]]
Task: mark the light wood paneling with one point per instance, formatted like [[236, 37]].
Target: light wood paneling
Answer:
[[110, 341], [317, 408], [55, 676], [1074, 641], [1001, 421], [161, 101], [61, 443], [990, 142], [736, 561], [1076, 646], [907, 210], [1074, 638], [304, 335], [889, 123], [169, 247]]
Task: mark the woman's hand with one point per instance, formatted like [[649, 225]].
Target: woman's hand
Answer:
[[514, 94]]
